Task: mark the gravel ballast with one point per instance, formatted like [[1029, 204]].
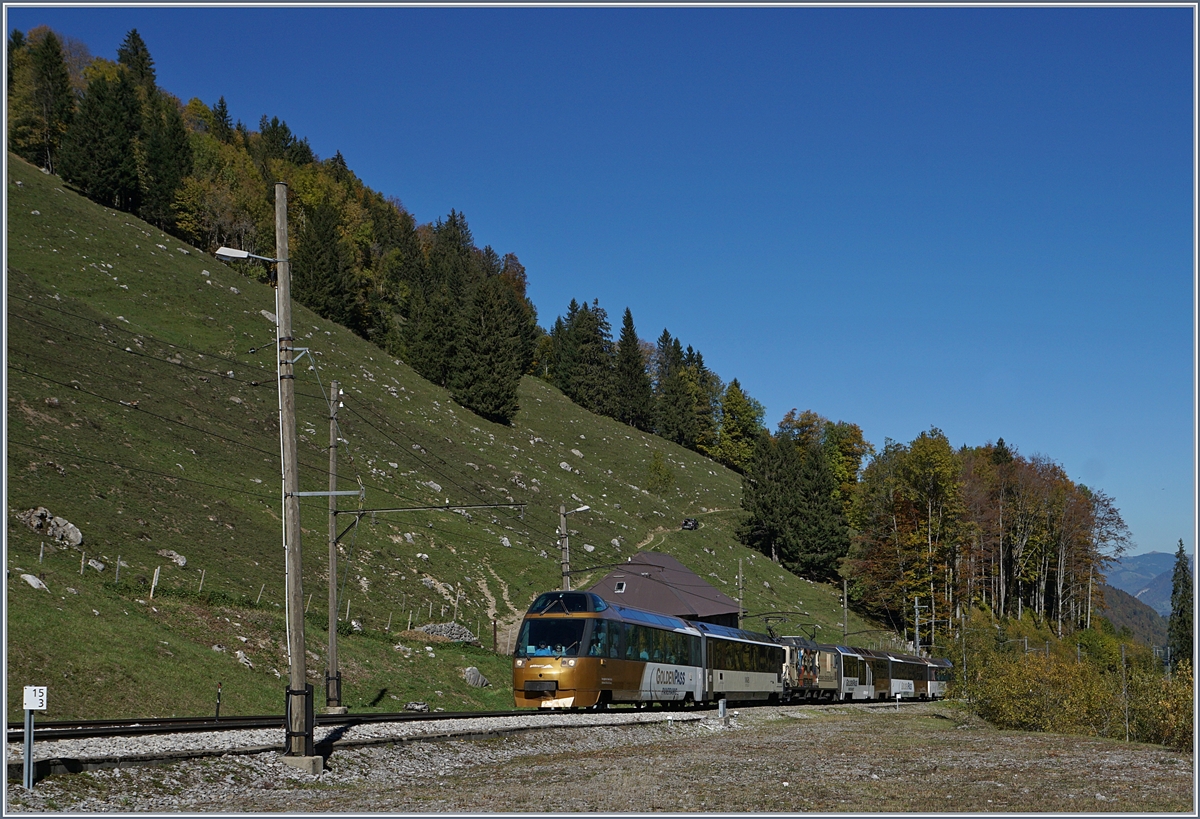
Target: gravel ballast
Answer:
[[928, 757]]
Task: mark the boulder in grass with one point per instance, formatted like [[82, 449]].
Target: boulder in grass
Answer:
[[419, 707], [61, 530], [474, 678], [35, 582]]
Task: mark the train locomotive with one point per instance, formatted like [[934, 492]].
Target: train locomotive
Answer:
[[577, 650]]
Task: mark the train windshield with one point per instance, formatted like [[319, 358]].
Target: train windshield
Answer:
[[550, 638], [559, 602]]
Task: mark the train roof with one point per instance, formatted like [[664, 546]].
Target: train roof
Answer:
[[651, 618], [733, 633], [799, 642], [841, 649]]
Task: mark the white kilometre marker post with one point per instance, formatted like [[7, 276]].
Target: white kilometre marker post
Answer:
[[35, 700]]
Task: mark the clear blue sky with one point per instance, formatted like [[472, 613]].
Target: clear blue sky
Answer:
[[980, 219]]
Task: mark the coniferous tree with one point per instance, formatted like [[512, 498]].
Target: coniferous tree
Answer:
[[706, 390], [135, 56], [168, 159], [487, 371], [1180, 625], [565, 349], [512, 273], [53, 99], [819, 530], [675, 401], [431, 337], [591, 384], [98, 152], [452, 258], [222, 126], [769, 491], [741, 422], [632, 387], [16, 43], [321, 276]]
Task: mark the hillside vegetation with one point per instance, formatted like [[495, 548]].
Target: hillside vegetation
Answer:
[[142, 408]]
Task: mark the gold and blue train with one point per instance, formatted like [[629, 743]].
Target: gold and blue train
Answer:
[[575, 650]]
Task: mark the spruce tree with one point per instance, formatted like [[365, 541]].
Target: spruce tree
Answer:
[[632, 387], [707, 390], [134, 55], [487, 369], [168, 159], [769, 491], [591, 383], [1179, 626], [16, 43], [432, 337], [565, 348], [53, 101], [819, 530], [98, 153], [675, 402], [321, 274], [222, 127]]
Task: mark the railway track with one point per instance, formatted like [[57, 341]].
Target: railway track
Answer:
[[91, 729]]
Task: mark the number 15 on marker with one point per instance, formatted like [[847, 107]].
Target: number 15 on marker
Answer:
[[35, 698]]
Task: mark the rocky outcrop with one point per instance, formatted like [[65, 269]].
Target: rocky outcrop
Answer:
[[60, 530]]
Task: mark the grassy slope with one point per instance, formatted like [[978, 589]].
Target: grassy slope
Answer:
[[124, 419]]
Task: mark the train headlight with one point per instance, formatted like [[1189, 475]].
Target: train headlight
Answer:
[[568, 663], [520, 663]]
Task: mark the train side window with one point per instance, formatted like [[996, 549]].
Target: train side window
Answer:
[[598, 647]]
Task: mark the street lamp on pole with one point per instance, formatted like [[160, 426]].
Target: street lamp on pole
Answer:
[[299, 698], [563, 543]]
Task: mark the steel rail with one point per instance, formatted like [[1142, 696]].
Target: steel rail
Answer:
[[85, 729]]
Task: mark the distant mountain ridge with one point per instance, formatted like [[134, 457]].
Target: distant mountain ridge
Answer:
[[1123, 610], [1147, 578]]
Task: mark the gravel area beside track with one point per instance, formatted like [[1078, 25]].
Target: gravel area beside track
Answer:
[[847, 758]]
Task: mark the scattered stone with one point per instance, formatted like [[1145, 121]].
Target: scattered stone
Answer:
[[505, 542], [474, 678], [451, 631], [173, 555], [243, 659], [58, 529], [36, 582], [576, 453], [218, 647], [96, 564], [416, 706]]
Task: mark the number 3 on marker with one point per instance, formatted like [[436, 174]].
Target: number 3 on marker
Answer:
[[35, 698]]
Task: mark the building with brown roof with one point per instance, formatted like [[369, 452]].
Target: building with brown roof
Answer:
[[660, 583]]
